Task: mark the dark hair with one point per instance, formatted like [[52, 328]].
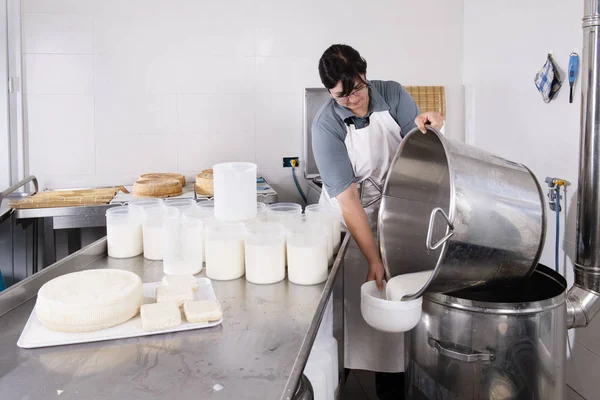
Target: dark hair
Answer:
[[341, 62]]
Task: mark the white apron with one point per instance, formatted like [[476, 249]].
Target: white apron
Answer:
[[370, 150]]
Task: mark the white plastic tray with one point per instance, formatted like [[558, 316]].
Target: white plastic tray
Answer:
[[37, 335]]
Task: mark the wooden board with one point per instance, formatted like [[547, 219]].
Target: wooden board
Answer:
[[68, 198]]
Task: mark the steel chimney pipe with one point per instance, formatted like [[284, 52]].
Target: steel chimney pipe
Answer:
[[583, 301]]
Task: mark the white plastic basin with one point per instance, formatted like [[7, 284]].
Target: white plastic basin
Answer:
[[385, 315]]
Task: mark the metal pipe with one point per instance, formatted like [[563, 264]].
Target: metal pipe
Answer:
[[30, 178], [584, 298]]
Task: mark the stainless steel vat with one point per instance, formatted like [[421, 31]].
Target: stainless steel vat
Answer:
[[506, 341], [472, 216]]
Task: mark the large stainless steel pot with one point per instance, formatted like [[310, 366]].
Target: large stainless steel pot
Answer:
[[472, 216], [503, 342]]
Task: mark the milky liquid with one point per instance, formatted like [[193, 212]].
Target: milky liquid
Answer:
[[224, 259], [193, 247], [404, 284], [153, 241], [265, 263], [337, 234], [307, 265], [183, 249], [124, 240]]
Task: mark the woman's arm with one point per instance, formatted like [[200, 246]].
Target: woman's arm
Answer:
[[358, 225]]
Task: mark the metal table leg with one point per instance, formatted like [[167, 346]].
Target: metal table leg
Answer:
[[49, 242], [338, 324], [74, 240]]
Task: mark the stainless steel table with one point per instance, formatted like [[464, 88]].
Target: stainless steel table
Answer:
[[259, 352]]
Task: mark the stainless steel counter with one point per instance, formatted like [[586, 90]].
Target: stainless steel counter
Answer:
[[259, 352]]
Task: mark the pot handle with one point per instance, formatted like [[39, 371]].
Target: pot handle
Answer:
[[377, 187], [443, 240], [461, 353]]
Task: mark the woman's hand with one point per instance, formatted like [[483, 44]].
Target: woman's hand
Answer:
[[376, 273], [432, 117]]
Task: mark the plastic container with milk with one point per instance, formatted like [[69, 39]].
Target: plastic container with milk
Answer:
[[323, 215], [307, 250], [225, 250], [183, 242], [336, 222], [181, 204], [123, 233], [265, 252], [283, 213], [154, 230]]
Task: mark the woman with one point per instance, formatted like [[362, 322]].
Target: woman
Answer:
[[355, 136]]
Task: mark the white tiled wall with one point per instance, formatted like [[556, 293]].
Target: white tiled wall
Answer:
[[114, 88], [506, 115]]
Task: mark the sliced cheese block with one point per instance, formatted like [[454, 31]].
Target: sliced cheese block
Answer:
[[202, 311], [159, 316], [180, 280], [89, 300], [157, 188], [177, 294], [205, 183], [164, 175]]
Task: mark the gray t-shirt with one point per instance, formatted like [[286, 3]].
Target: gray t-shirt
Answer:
[[329, 130]]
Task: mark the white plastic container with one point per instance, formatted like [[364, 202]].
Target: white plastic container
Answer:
[[192, 224], [206, 208], [265, 253], [306, 252], [336, 222], [139, 205], [154, 232], [283, 213], [317, 376], [329, 345], [225, 250], [261, 214], [261, 211], [123, 233], [235, 191], [320, 359], [181, 204], [386, 315], [325, 217], [183, 242]]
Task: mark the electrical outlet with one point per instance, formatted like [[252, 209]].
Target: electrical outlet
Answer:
[[287, 162]]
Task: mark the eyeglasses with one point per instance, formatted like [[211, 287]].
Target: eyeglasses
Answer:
[[358, 90]]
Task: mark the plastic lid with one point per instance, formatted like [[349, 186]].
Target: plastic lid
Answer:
[[180, 203], [118, 211], [292, 208]]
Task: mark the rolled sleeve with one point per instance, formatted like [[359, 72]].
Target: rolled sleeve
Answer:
[[331, 156]]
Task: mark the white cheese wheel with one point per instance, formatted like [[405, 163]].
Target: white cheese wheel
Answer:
[[90, 300]]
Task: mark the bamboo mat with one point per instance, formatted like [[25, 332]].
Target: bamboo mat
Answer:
[[429, 98], [68, 198]]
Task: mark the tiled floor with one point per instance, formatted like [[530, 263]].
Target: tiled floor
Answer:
[[360, 385]]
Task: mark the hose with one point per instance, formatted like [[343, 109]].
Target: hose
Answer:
[[296, 181], [557, 209]]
